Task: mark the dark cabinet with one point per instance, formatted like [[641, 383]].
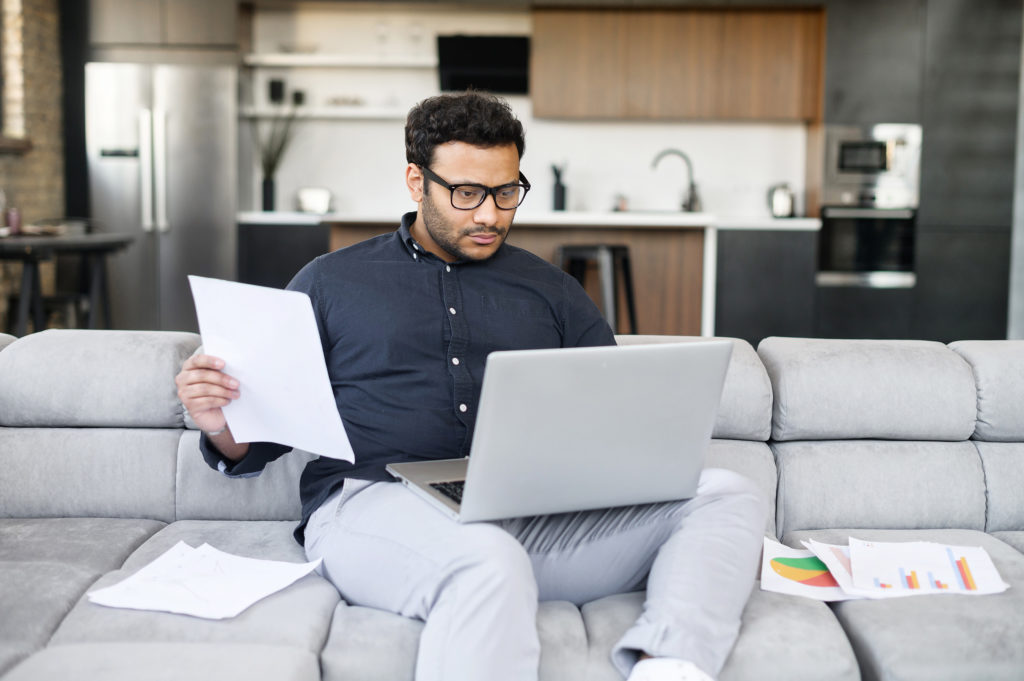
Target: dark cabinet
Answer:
[[874, 61], [270, 255], [962, 284], [765, 284]]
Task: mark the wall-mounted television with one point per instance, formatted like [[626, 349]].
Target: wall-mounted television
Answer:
[[495, 63]]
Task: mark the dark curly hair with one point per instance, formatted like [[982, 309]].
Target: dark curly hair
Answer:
[[476, 118]]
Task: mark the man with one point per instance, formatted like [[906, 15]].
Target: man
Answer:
[[406, 321]]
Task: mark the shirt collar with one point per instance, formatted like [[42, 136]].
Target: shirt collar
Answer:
[[416, 251], [406, 235]]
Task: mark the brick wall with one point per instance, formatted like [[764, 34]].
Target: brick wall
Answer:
[[34, 181]]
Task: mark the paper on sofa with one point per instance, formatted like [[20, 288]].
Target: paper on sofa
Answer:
[[202, 582]]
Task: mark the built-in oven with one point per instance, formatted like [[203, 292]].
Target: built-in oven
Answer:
[[872, 247], [869, 206]]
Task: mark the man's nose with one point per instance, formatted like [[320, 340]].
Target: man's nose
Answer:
[[487, 212]]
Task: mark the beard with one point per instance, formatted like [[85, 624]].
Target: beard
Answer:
[[447, 237]]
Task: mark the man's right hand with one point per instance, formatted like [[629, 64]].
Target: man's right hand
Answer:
[[203, 390]]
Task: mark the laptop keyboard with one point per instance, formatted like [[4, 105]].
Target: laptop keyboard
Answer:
[[452, 490]]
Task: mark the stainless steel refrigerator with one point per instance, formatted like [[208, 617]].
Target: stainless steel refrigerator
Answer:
[[161, 143]]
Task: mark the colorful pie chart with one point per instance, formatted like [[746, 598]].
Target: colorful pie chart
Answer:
[[810, 571]]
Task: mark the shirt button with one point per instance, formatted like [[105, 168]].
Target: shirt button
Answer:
[[447, 268], [415, 256], [452, 310], [455, 361], [463, 408]]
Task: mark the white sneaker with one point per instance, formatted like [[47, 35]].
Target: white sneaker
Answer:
[[666, 669]]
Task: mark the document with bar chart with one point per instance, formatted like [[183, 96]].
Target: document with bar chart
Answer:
[[906, 568]]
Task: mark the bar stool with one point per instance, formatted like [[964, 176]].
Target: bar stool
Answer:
[[612, 263]]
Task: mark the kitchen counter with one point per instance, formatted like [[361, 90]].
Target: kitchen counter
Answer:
[[673, 254]]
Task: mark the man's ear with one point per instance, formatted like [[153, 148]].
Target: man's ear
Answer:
[[414, 182]]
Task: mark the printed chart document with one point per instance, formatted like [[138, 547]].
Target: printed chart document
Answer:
[[269, 341], [832, 572], [798, 572], [202, 582], [923, 567]]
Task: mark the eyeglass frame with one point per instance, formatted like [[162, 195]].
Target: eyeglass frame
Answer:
[[488, 191]]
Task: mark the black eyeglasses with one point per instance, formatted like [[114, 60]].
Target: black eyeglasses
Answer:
[[470, 196]]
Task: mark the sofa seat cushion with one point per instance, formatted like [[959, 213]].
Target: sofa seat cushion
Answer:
[[168, 662], [97, 544], [373, 645], [34, 598], [937, 637], [782, 638], [1014, 538], [864, 483], [897, 390], [298, 616], [745, 410]]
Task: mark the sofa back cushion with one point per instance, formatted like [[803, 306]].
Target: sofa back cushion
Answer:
[[745, 411], [202, 493], [849, 389], [1004, 476], [999, 376], [106, 379], [88, 472], [879, 484]]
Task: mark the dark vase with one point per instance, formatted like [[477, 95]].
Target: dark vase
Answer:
[[268, 193]]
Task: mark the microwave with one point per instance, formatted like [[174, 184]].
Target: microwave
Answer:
[[875, 166]]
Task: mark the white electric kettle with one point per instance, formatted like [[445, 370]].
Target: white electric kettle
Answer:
[[781, 201]]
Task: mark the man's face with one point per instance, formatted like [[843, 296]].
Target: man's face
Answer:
[[453, 234]]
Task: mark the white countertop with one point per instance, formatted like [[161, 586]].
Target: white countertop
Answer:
[[655, 219]]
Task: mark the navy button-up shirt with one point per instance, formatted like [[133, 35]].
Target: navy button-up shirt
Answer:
[[405, 337]]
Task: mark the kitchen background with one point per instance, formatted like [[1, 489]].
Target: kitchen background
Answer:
[[358, 151], [952, 66]]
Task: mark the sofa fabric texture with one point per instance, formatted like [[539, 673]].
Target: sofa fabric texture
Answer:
[[848, 389], [883, 440]]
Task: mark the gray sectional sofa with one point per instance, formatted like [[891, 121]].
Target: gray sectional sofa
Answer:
[[100, 473]]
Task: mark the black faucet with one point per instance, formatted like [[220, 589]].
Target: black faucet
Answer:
[[691, 204]]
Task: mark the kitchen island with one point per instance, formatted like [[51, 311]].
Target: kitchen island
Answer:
[[673, 254]]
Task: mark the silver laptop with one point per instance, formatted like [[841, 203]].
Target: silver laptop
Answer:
[[583, 428]]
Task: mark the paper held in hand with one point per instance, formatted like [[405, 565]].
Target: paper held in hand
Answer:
[[269, 341]]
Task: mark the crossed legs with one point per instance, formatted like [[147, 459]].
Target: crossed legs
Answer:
[[477, 585]]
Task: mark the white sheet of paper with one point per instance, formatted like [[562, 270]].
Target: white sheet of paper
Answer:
[[797, 572], [921, 567], [202, 582], [269, 341]]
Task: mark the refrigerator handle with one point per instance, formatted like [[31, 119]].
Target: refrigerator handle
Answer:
[[160, 168], [146, 167]]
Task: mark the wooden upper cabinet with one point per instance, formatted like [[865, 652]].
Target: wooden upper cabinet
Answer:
[[677, 64]]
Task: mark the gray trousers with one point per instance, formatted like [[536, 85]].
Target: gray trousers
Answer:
[[477, 585]]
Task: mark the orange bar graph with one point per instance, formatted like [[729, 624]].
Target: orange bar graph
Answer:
[[912, 582], [965, 573]]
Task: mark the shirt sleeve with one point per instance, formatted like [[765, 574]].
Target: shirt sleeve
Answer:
[[584, 324], [259, 455]]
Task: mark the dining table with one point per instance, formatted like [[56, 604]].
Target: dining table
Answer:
[[34, 249]]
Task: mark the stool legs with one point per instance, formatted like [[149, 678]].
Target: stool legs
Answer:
[[574, 259], [31, 295], [606, 268], [627, 280]]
